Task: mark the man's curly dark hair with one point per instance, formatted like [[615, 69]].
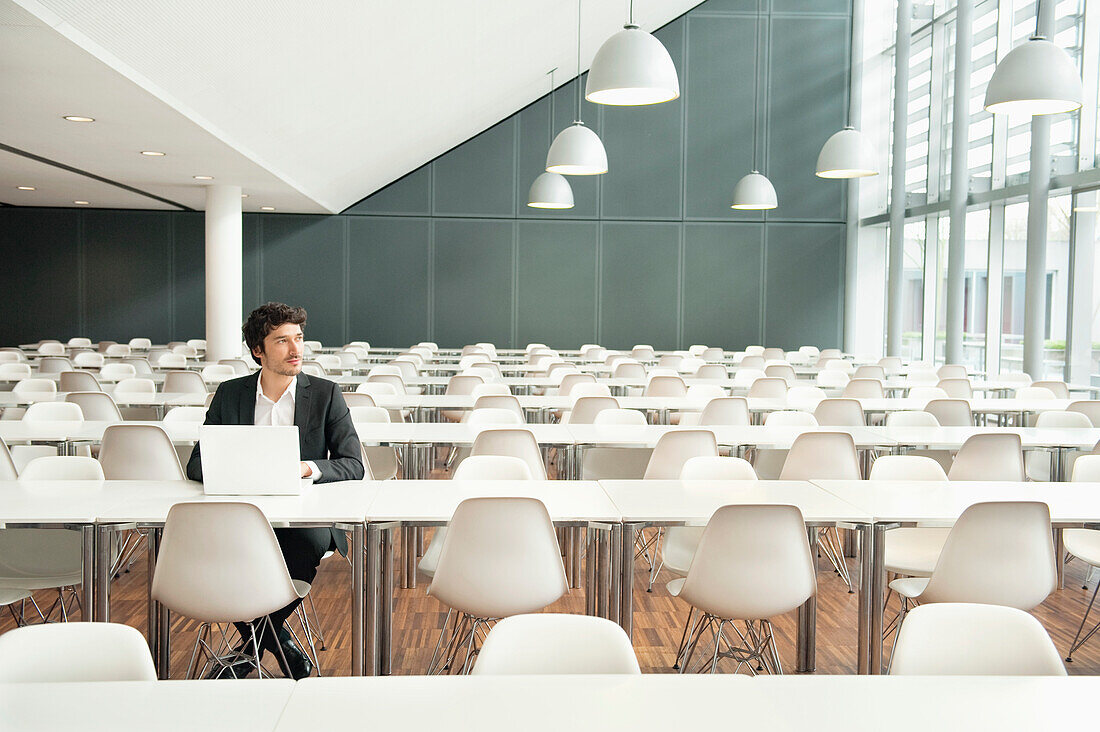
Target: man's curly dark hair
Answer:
[[267, 318]]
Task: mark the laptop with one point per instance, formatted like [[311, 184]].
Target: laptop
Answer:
[[244, 460]]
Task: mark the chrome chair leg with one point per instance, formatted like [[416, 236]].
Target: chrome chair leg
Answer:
[[1078, 643]]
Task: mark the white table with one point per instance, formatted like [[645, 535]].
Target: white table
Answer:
[[573, 505], [678, 503], [895, 502], [145, 706]]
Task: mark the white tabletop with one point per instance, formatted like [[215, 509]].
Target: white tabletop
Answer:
[[50, 502], [758, 435], [142, 706], [953, 437], [692, 502], [434, 501], [160, 399], [943, 501], [672, 702], [452, 433]]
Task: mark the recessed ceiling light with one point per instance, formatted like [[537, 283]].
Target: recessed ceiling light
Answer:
[[203, 177], [267, 208], [77, 118], [81, 203], [26, 188], [244, 195], [152, 153]]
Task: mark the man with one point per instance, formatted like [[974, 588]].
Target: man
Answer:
[[279, 394]]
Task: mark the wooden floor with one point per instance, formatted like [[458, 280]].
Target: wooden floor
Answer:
[[658, 621]]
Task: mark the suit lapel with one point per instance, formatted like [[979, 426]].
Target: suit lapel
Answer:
[[247, 403], [302, 404]]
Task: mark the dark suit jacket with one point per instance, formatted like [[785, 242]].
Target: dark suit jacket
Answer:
[[326, 434]]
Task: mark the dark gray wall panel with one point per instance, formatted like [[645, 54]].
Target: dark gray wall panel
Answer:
[[188, 275], [252, 265], [477, 178], [644, 150], [639, 294], [556, 286], [473, 282], [41, 250], [388, 292], [808, 100], [722, 284], [128, 256], [839, 7], [303, 264], [410, 195], [804, 275], [719, 114]]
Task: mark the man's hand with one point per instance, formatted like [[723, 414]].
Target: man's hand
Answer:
[[306, 472]]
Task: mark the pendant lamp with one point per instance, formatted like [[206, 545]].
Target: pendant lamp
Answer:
[[550, 190], [846, 154], [754, 192], [577, 150], [632, 68]]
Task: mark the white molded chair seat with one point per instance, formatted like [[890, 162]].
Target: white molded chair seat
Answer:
[[517, 442], [62, 467], [139, 452], [551, 643], [990, 456], [66, 652], [185, 414], [95, 405]]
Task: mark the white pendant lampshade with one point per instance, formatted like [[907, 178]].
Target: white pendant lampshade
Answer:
[[576, 150], [1035, 78], [632, 68], [754, 192], [846, 154], [550, 190]]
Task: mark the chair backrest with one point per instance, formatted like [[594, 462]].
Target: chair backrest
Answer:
[[586, 408], [703, 393], [139, 452], [7, 465], [500, 557], [78, 381], [169, 361], [666, 386], [88, 359], [492, 415], [463, 383], [629, 370], [1058, 388], [620, 416], [822, 456], [184, 382], [746, 377], [751, 361], [891, 364], [836, 364], [725, 411], [185, 414], [790, 418], [392, 379], [922, 378], [1086, 468], [966, 639], [143, 343], [62, 467], [715, 371], [53, 412], [220, 562], [713, 354], [1062, 420], [911, 418], [951, 412], [358, 399], [218, 372], [839, 413], [864, 389], [199, 344], [832, 379], [670, 361], [64, 652], [54, 365], [990, 456], [506, 402], [117, 371], [141, 366], [118, 350], [368, 413], [1089, 408], [906, 467], [805, 396], [754, 350], [768, 387], [185, 350], [136, 386], [709, 467], [552, 643], [580, 391], [35, 386], [1034, 392], [926, 393], [492, 467], [753, 561], [51, 348], [15, 369], [96, 405], [240, 366], [407, 367], [518, 443], [377, 389], [998, 553], [570, 380], [952, 371], [956, 388], [673, 449], [869, 372]]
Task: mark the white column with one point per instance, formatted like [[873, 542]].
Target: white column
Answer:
[[851, 257], [897, 182], [960, 183], [224, 273]]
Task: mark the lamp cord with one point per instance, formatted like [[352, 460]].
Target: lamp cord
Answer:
[[550, 127], [579, 120], [755, 83], [1038, 14]]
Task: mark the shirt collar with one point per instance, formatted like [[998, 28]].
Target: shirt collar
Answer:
[[289, 391]]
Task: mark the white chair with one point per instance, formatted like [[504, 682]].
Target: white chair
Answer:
[[951, 412], [906, 467], [117, 372], [185, 414], [805, 397], [51, 348], [240, 366], [922, 378], [217, 373], [666, 386], [585, 409], [768, 388], [7, 465], [781, 370], [753, 362], [67, 652], [220, 563], [118, 350], [925, 394], [550, 643], [136, 386], [14, 370], [88, 359], [171, 361], [965, 639], [673, 449], [911, 551], [744, 378], [140, 343], [616, 463], [840, 413], [991, 456], [952, 371], [493, 416], [869, 372], [911, 418], [79, 342], [199, 344], [956, 388], [78, 381], [831, 379], [54, 365], [95, 405], [356, 399], [724, 411], [1084, 544], [891, 365], [506, 402], [1034, 392], [1058, 388], [500, 558], [44, 412], [184, 382], [139, 452], [837, 364], [713, 371], [35, 386], [519, 443], [62, 467], [141, 366], [1089, 408], [643, 352], [185, 350], [381, 459], [790, 418], [1037, 462], [753, 563]]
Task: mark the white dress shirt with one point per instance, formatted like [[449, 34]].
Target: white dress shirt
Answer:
[[280, 413]]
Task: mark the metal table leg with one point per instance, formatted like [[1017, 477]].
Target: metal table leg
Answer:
[[88, 573], [1059, 554], [372, 568], [408, 536], [577, 541], [622, 558], [590, 571], [807, 620], [103, 573], [385, 624], [867, 601], [358, 597]]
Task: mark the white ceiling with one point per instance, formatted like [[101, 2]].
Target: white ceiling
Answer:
[[309, 107]]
